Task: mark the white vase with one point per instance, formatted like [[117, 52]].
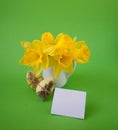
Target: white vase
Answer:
[[61, 80]]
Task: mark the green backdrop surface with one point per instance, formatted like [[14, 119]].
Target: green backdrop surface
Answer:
[[94, 21]]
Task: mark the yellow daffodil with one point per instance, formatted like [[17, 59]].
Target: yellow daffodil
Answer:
[[62, 54], [34, 56], [81, 52]]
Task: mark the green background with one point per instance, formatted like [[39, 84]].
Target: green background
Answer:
[[94, 21]]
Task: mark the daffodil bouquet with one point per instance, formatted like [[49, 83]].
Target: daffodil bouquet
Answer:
[[58, 53], [55, 58]]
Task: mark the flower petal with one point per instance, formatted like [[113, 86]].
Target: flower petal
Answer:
[[37, 45], [25, 45], [69, 69], [47, 37], [82, 52]]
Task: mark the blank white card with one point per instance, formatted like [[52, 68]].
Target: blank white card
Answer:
[[69, 103]]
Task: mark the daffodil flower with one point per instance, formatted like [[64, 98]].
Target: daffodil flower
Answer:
[[81, 52], [34, 56], [62, 54]]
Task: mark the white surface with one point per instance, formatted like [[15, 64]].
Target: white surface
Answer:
[[69, 103]]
